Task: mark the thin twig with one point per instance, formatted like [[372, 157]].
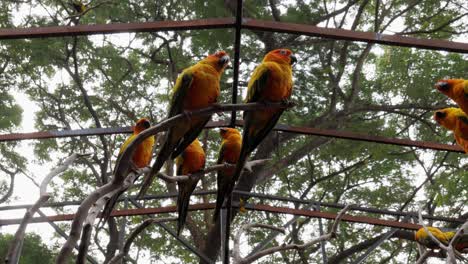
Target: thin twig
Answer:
[[239, 260], [134, 234]]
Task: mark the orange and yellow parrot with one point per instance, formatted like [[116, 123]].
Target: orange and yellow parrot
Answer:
[[456, 120], [191, 160], [141, 157], [443, 236], [196, 87], [271, 81], [456, 89], [79, 7], [229, 153]]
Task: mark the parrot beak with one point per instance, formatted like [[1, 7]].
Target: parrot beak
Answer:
[[293, 59], [222, 131], [442, 86], [223, 61]]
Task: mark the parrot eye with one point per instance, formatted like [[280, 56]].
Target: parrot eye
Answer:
[[283, 52], [440, 114], [146, 124], [442, 85]]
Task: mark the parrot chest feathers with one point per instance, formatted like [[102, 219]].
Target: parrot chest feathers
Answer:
[[204, 89], [143, 153], [279, 85]]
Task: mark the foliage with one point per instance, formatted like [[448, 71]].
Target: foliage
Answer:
[[365, 88]]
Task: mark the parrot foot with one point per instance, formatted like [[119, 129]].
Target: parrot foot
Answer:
[[242, 206], [248, 167], [188, 115], [288, 103]]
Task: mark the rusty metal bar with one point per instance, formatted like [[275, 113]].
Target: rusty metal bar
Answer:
[[372, 210], [280, 127], [237, 47], [368, 138], [83, 132], [208, 206], [343, 34], [63, 31]]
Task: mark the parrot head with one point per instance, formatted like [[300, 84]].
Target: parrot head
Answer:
[[446, 86], [225, 132], [219, 60], [446, 117], [283, 56], [141, 124]]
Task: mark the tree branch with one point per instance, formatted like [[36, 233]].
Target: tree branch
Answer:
[[134, 234], [14, 252], [239, 260]]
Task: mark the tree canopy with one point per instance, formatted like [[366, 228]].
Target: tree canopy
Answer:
[[112, 80]]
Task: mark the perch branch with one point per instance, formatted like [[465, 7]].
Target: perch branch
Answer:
[[14, 252], [134, 234], [217, 167], [239, 260], [124, 165], [96, 208]]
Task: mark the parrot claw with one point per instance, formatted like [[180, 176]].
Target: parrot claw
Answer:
[[187, 115], [288, 103], [248, 167]]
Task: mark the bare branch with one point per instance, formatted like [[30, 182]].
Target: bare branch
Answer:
[[134, 234], [239, 260], [16, 245], [198, 175]]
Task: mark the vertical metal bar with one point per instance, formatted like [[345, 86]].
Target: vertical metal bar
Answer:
[[237, 43], [376, 16], [174, 234], [227, 229], [322, 243]]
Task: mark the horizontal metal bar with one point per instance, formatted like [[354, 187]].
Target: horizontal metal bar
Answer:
[[82, 132], [331, 216], [262, 196], [63, 31], [208, 206], [280, 127], [343, 34], [368, 138]]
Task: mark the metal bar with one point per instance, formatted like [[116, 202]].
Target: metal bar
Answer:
[[368, 138], [83, 132], [274, 233], [227, 229], [63, 31], [237, 47], [174, 234], [377, 243], [208, 206], [372, 210], [322, 243], [343, 34], [280, 127], [64, 235]]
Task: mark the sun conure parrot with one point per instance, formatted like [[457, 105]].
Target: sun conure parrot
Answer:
[[271, 81], [190, 161], [196, 87], [79, 7], [141, 158], [229, 153], [443, 236], [456, 89], [456, 120]]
